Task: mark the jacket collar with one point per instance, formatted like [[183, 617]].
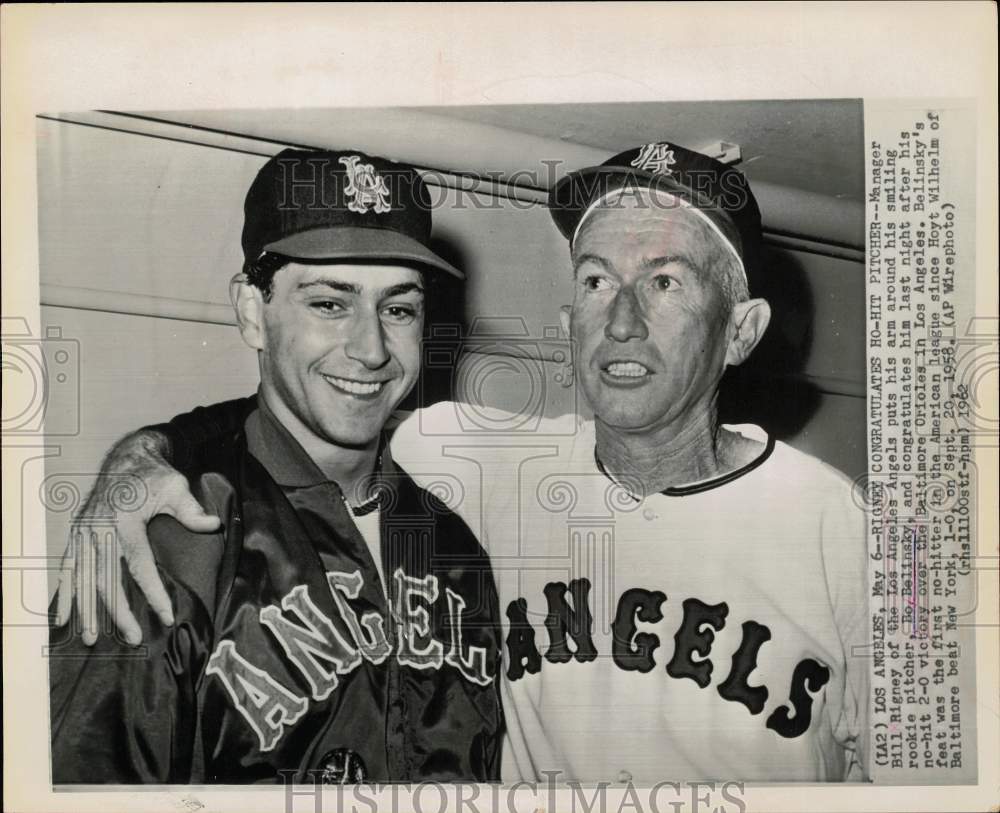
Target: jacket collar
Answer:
[[290, 466]]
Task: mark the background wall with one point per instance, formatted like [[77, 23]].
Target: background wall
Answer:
[[140, 217]]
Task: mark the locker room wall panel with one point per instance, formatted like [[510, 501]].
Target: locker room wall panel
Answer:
[[817, 320], [125, 213], [836, 434], [135, 370], [802, 176]]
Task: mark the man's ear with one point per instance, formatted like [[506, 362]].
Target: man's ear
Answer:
[[565, 317], [748, 322], [248, 302]]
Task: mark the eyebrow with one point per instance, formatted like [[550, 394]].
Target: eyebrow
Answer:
[[351, 288], [402, 288], [652, 263], [337, 285], [591, 258]]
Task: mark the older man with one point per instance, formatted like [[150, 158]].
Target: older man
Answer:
[[701, 587]]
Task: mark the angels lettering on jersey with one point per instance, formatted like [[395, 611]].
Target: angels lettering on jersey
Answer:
[[569, 618], [312, 642]]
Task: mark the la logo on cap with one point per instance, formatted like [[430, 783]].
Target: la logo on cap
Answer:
[[365, 189], [658, 158]]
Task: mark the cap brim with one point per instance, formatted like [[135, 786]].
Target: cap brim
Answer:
[[358, 243], [572, 195]]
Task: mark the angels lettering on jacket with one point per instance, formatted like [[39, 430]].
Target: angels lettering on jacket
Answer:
[[316, 647]]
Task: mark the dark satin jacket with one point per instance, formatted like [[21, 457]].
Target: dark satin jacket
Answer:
[[286, 662]]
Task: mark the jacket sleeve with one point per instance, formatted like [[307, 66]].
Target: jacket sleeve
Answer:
[[190, 433], [127, 715]]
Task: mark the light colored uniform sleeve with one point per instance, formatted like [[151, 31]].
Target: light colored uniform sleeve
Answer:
[[452, 452]]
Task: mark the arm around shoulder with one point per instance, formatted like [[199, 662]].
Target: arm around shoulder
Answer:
[[123, 714]]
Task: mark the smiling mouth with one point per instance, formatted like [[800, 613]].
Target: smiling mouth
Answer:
[[627, 369], [355, 387]]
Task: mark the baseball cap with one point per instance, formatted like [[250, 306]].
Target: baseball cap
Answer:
[[716, 192], [328, 205]]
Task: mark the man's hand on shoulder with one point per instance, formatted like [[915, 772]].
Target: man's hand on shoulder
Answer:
[[136, 472]]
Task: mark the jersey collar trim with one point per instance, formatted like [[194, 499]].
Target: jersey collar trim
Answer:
[[702, 485]]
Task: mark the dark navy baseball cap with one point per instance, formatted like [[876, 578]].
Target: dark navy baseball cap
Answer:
[[717, 192], [325, 205]]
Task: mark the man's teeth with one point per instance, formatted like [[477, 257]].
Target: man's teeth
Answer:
[[629, 369], [355, 387]]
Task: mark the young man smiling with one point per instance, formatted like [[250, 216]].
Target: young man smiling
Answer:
[[341, 626]]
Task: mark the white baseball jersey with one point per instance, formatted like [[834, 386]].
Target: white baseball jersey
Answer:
[[712, 632]]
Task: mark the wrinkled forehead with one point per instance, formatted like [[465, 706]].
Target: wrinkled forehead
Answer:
[[633, 226]]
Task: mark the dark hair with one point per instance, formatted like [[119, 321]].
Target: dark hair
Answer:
[[260, 272]]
